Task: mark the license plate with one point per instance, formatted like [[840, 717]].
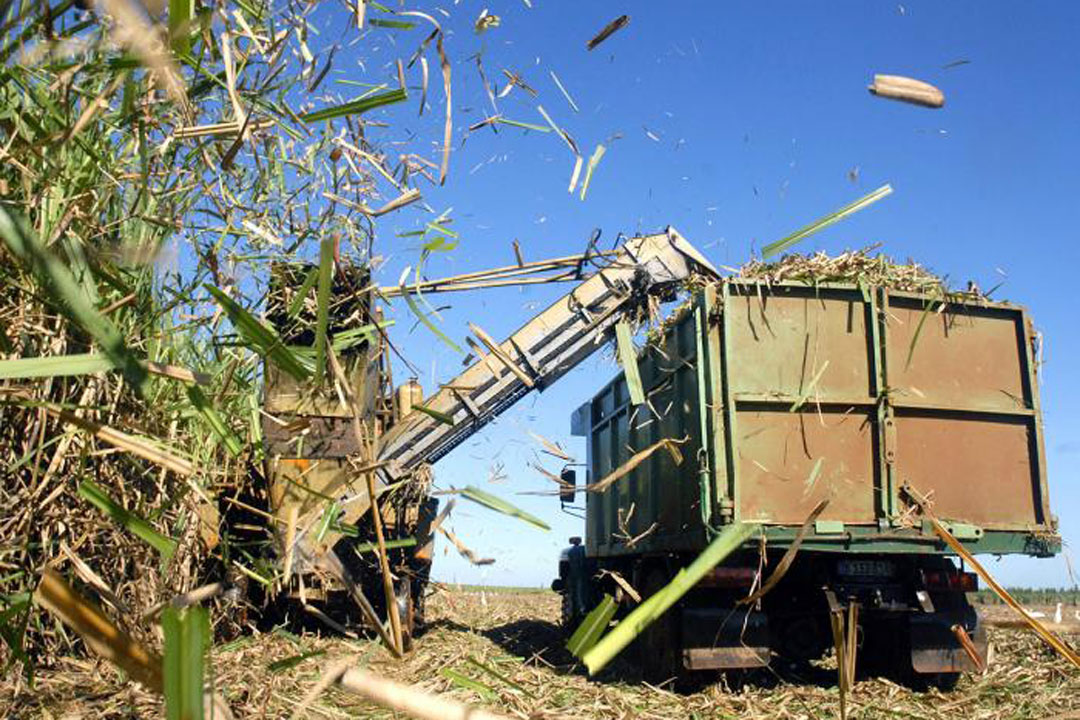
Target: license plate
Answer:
[[865, 568]]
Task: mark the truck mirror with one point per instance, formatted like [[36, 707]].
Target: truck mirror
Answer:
[[569, 487]]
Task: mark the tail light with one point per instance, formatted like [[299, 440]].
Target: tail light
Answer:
[[950, 580]]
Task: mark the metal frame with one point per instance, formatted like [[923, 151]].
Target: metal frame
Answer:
[[1039, 539], [544, 349]]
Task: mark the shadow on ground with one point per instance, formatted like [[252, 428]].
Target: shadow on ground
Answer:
[[544, 643]]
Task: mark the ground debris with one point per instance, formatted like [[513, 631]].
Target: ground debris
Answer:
[[517, 632]]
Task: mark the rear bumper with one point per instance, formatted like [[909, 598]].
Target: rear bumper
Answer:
[[724, 638], [937, 648], [719, 639]]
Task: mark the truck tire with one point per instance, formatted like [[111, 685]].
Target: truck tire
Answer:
[[566, 614], [659, 647]]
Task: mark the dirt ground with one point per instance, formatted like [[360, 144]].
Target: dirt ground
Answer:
[[516, 634]]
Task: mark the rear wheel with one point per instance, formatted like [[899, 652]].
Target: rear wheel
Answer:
[[659, 646], [566, 613]]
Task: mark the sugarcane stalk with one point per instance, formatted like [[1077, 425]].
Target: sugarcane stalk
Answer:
[[369, 477], [905, 89]]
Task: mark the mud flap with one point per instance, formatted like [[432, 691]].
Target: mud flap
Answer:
[[720, 639], [936, 649]]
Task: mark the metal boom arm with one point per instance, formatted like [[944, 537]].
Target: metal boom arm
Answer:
[[542, 350]]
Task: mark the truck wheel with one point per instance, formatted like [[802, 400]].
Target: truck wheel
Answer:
[[659, 645], [566, 616]]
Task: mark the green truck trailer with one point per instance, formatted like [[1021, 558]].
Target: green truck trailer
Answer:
[[783, 396]]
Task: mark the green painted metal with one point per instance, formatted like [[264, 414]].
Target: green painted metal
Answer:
[[828, 527], [657, 490], [807, 376], [960, 531], [705, 381], [872, 540], [878, 327]]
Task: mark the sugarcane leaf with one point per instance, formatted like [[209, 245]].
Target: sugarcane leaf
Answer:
[[395, 24], [96, 496], [298, 300], [442, 417], [329, 517], [13, 630], [423, 318], [590, 168], [492, 502], [67, 293], [352, 337], [497, 675], [918, 331], [180, 14], [187, 637], [370, 546], [263, 339], [805, 232], [592, 627], [322, 316], [468, 683], [54, 366], [213, 420], [524, 125], [628, 360], [290, 662], [356, 107]]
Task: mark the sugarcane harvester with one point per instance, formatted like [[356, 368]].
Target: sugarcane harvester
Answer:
[[331, 450]]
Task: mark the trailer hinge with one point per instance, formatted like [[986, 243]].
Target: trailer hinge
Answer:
[[890, 438]]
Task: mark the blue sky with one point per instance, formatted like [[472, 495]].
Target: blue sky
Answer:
[[761, 118]]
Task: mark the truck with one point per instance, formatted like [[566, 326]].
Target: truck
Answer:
[[818, 410]]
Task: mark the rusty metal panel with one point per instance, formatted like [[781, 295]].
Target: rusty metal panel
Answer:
[[726, 658], [965, 356], [312, 487], [975, 469], [791, 340], [310, 436], [803, 418], [810, 396], [934, 647], [284, 394], [788, 462]]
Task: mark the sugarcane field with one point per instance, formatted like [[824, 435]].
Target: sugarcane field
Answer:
[[538, 360]]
